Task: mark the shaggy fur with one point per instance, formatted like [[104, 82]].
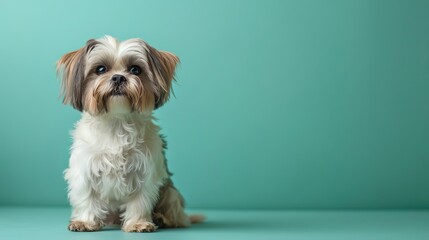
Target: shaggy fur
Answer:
[[118, 172]]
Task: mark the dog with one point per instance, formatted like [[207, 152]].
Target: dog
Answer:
[[117, 171]]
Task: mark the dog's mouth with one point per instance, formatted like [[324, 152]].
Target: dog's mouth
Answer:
[[118, 91]]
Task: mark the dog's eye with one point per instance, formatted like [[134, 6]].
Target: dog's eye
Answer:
[[101, 69], [136, 70]]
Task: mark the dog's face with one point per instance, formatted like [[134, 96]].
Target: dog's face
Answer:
[[107, 76]]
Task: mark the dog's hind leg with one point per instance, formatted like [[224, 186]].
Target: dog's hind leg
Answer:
[[169, 210]]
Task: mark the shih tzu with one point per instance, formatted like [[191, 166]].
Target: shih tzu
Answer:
[[118, 172]]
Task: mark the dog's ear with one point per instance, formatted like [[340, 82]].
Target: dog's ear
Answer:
[[162, 65], [71, 71]]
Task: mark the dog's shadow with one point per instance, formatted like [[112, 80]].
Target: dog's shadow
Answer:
[[278, 224], [227, 225]]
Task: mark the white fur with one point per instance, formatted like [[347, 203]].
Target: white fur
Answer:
[[116, 165], [118, 105]]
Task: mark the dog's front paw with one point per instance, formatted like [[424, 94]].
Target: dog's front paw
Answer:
[[140, 227], [79, 226]]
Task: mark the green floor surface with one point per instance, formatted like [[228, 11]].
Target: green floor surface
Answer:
[[50, 223]]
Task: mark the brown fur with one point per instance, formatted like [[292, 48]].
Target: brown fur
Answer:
[[72, 66], [169, 210], [163, 65]]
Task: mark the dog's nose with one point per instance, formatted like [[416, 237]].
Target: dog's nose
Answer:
[[117, 79]]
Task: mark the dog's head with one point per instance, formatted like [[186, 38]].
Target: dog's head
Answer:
[[108, 76]]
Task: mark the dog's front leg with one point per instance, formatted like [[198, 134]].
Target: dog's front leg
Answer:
[[137, 216], [87, 215], [88, 210]]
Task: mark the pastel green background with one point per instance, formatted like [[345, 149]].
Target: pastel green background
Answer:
[[279, 104]]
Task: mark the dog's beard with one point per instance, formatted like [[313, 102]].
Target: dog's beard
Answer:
[[104, 97], [118, 104], [117, 99]]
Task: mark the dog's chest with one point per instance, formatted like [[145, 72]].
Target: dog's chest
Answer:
[[121, 175], [119, 166]]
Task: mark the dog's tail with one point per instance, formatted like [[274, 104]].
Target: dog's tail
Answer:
[[196, 218]]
